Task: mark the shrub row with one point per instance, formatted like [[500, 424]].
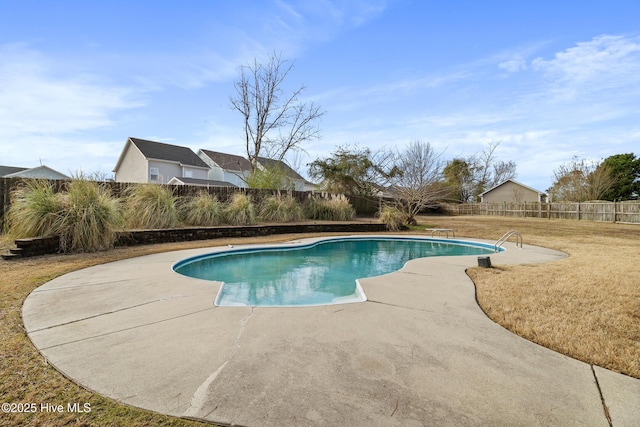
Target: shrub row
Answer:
[[87, 216]]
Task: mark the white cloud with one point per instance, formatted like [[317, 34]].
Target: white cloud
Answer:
[[36, 100], [603, 64], [45, 113], [513, 65]]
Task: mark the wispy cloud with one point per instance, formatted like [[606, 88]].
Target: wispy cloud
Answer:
[[605, 63], [47, 110], [513, 65], [35, 99], [287, 27]]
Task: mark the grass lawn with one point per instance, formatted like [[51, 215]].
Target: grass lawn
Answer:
[[586, 306]]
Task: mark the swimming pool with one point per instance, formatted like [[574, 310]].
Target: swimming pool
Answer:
[[319, 273]]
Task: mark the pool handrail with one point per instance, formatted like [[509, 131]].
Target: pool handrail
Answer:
[[506, 236]]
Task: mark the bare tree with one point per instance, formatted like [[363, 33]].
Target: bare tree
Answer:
[[487, 171], [274, 122], [418, 183]]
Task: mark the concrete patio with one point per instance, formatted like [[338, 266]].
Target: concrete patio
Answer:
[[418, 352]]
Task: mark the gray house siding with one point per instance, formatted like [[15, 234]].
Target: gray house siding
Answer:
[[218, 173], [155, 162], [168, 170], [234, 177]]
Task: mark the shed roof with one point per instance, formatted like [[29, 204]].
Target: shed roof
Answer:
[[515, 182]]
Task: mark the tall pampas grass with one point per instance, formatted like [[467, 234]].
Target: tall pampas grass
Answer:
[[35, 210], [86, 216], [91, 217], [240, 210], [329, 208], [150, 206], [392, 217], [279, 208], [203, 209]]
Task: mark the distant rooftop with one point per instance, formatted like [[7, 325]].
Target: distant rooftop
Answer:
[[270, 163], [228, 161], [161, 151], [8, 170], [202, 182]]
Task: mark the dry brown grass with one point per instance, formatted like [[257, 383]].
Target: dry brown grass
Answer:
[[586, 306]]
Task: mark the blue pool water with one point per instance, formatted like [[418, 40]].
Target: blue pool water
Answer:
[[319, 273]]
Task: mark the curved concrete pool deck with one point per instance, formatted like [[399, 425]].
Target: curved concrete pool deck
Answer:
[[418, 352]]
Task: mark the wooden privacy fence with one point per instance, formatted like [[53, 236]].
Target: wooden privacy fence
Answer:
[[4, 199], [362, 205], [623, 212]]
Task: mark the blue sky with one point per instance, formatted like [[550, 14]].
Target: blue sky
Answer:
[[549, 79]]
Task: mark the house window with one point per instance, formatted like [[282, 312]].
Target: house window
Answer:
[[154, 174], [188, 174]]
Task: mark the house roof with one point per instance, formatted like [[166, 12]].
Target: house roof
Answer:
[[200, 182], [172, 153], [515, 182], [270, 163], [41, 171], [228, 161], [8, 170]]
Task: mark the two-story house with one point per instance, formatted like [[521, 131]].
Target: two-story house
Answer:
[[157, 162], [147, 161], [226, 167], [298, 183]]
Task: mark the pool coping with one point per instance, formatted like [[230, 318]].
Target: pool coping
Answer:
[[420, 350]]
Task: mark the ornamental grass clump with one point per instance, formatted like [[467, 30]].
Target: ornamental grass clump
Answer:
[[316, 208], [331, 208], [240, 210], [392, 217], [35, 210], [341, 208], [91, 217], [279, 208], [203, 209], [151, 206], [86, 216]]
